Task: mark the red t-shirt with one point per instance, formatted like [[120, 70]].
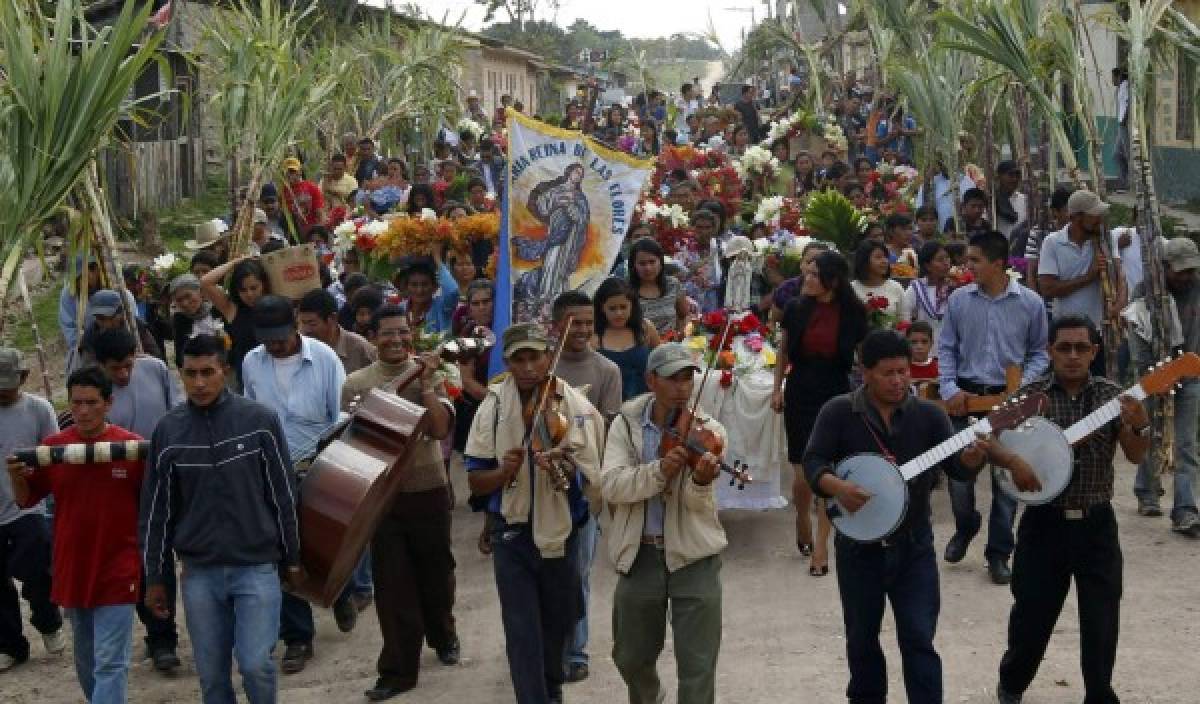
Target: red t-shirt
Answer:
[[96, 560], [308, 200], [924, 371]]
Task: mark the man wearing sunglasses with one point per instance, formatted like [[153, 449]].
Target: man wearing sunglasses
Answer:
[[1074, 536]]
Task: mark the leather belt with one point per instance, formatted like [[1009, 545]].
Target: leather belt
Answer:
[[655, 540]]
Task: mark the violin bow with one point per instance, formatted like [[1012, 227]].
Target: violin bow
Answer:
[[708, 370], [545, 390]]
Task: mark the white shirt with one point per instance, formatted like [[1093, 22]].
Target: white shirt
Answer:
[[889, 289], [1020, 204], [1131, 256], [285, 368], [1122, 101]]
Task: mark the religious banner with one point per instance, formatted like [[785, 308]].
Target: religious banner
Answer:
[[570, 202]]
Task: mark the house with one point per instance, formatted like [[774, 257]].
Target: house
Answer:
[[494, 69], [1172, 115]]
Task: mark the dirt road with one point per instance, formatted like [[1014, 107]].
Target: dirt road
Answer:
[[782, 634]]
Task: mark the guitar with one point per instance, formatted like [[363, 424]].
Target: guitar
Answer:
[[1047, 448], [888, 484]]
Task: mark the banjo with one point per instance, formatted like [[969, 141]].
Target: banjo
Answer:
[[1047, 448], [888, 484]]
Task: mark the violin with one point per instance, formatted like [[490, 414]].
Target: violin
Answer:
[[548, 430], [686, 431], [545, 425]]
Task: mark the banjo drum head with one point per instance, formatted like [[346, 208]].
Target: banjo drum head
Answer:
[[887, 506], [1043, 445]]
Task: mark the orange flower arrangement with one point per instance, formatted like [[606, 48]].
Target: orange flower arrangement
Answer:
[[406, 236]]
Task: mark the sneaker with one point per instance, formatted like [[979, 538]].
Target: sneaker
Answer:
[[1187, 524], [1145, 508], [55, 642], [295, 657], [998, 570]]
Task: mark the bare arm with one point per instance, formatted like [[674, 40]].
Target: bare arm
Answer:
[[211, 287], [441, 420], [17, 472], [651, 333]]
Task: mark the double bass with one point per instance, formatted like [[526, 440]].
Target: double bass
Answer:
[[355, 478]]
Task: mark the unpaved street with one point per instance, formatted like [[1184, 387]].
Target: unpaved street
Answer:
[[782, 638]]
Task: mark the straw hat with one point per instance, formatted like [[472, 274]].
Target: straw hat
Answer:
[[208, 234]]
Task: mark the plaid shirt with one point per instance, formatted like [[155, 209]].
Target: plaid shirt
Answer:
[[1092, 473]]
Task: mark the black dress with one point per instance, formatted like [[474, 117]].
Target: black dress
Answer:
[[821, 364]]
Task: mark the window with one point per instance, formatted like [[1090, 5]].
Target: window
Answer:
[[1185, 93]]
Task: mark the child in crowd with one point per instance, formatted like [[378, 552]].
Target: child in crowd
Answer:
[[924, 366], [927, 224], [623, 335]]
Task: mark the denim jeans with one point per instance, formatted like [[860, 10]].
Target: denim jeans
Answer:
[[588, 534], [538, 606], [362, 582], [903, 572], [1000, 539], [102, 650], [25, 556], [233, 610], [1146, 485]]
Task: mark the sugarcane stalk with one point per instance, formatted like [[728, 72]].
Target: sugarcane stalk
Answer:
[[106, 249], [37, 335]]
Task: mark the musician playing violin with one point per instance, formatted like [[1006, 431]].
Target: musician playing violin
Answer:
[[665, 538], [884, 418], [410, 553], [1075, 536], [531, 485]]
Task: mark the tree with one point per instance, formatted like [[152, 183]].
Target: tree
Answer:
[[519, 12]]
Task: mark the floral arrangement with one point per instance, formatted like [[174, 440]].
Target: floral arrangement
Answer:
[[722, 184], [757, 161], [892, 187], [747, 349], [155, 279], [383, 239], [834, 136], [878, 317], [469, 126], [781, 214], [785, 253], [791, 126], [661, 213], [832, 217]]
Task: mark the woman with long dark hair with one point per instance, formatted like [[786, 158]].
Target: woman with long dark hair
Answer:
[[247, 285], [623, 335], [872, 281], [420, 196], [648, 143], [661, 296], [822, 328], [927, 296]]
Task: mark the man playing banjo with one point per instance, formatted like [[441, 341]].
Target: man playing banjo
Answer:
[[883, 417], [1076, 534]]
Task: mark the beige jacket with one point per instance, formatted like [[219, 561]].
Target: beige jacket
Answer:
[[691, 529], [499, 427]]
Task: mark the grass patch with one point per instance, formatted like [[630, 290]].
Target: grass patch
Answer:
[[45, 310]]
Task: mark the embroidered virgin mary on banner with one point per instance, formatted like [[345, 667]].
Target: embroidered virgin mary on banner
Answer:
[[561, 205]]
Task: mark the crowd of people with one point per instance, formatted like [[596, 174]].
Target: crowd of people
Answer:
[[883, 347]]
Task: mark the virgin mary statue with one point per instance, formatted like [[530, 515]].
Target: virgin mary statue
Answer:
[[562, 206]]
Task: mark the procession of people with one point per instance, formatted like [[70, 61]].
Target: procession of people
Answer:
[[587, 435]]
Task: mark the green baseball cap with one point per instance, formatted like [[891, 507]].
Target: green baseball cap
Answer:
[[524, 336]]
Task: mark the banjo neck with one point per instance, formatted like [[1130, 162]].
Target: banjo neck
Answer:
[[1102, 416], [935, 455], [1160, 379]]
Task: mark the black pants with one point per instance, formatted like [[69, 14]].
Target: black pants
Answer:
[[1050, 551], [25, 556], [161, 633], [904, 572], [414, 583]]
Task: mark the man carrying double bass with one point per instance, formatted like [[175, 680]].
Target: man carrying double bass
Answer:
[[884, 418], [410, 552], [1076, 534], [534, 525], [665, 537]]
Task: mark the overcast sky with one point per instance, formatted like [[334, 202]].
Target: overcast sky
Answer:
[[635, 18]]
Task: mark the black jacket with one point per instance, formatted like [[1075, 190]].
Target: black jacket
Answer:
[[219, 488]]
